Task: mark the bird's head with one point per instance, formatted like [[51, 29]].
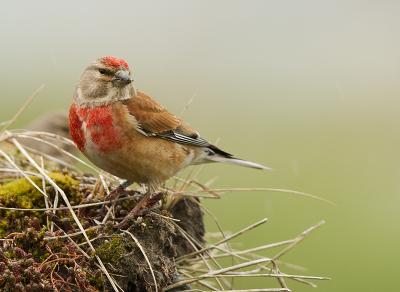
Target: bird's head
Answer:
[[104, 81]]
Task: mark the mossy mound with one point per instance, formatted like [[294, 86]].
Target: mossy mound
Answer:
[[35, 259]]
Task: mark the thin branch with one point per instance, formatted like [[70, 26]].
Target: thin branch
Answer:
[[299, 238], [186, 107], [224, 240], [23, 173], [260, 189]]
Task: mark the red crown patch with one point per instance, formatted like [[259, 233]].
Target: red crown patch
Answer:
[[114, 62]]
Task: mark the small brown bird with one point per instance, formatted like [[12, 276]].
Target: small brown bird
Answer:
[[129, 134]]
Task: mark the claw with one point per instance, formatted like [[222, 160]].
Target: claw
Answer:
[[120, 189], [124, 224], [152, 201], [137, 211]]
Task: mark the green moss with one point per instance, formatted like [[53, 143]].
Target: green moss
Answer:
[[91, 233], [96, 282], [22, 191], [114, 249], [22, 194]]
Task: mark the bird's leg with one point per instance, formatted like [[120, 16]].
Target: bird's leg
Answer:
[[120, 189], [124, 224], [153, 200]]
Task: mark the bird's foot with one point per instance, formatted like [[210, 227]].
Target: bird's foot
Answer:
[[153, 200], [138, 211], [119, 190]]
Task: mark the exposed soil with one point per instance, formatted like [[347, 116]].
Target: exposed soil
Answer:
[[191, 220], [161, 243]]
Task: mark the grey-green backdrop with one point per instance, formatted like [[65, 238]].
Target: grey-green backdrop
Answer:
[[309, 88]]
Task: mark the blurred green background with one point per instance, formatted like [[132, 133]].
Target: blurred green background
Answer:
[[309, 88]]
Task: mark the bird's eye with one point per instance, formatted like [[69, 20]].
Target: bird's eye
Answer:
[[102, 71]]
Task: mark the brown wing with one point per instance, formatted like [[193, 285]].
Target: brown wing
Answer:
[[155, 120]]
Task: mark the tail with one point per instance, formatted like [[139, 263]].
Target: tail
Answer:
[[237, 161], [217, 155]]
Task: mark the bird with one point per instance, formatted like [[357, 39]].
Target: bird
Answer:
[[129, 134]]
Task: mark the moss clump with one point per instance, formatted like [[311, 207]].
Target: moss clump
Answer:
[[113, 250], [22, 194]]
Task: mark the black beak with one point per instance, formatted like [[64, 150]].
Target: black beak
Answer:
[[123, 77]]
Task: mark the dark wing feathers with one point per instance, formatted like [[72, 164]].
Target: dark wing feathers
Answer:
[[175, 136], [182, 139]]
